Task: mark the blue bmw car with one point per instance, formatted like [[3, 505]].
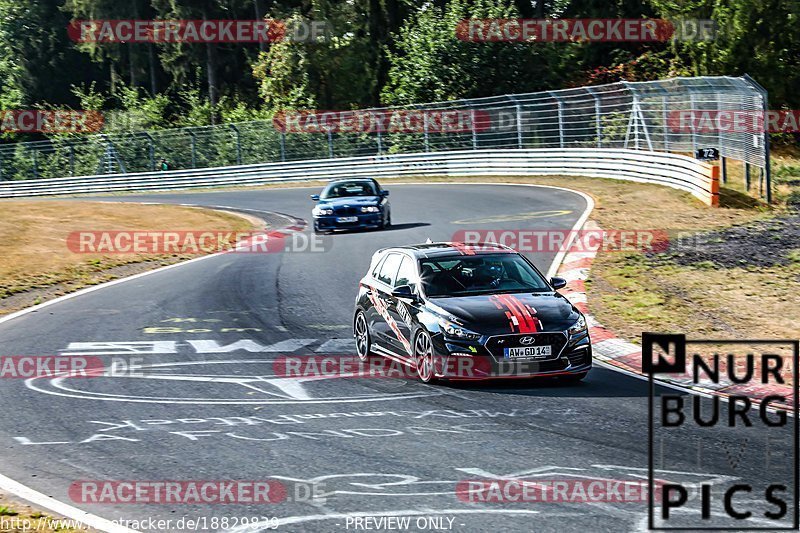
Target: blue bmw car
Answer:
[[355, 203]]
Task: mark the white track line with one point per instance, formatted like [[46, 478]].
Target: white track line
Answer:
[[77, 515], [42, 500]]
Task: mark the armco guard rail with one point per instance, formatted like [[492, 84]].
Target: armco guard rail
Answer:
[[672, 170]]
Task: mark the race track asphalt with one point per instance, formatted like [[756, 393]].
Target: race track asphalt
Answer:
[[206, 406]]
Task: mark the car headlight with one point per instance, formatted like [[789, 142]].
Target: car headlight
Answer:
[[319, 211], [370, 209], [457, 332], [578, 326]]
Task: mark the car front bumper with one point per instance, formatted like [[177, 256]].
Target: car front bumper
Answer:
[[474, 361], [332, 222]]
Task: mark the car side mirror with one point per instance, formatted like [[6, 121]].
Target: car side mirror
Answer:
[[558, 283], [405, 292], [315, 197], [384, 193]]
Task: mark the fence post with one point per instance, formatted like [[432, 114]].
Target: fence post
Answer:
[[283, 146], [152, 150], [330, 144], [767, 170], [425, 130], [598, 129], [193, 135], [474, 131], [238, 144], [664, 119], [694, 130], [71, 159], [519, 119], [380, 141], [35, 164], [560, 120]]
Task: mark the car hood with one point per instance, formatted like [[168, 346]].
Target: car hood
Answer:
[[351, 200], [500, 314]]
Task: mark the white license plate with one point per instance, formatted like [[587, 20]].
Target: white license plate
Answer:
[[347, 219], [528, 352]]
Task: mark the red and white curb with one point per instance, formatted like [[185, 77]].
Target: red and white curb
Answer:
[[626, 356]]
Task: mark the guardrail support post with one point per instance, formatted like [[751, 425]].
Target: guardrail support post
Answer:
[[724, 170], [238, 144], [747, 177]]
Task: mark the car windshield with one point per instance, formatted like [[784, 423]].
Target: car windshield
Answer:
[[479, 274], [344, 189]]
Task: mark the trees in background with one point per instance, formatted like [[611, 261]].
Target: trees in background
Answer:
[[380, 52]]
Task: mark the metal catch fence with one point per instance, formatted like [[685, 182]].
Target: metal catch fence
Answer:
[[651, 116]]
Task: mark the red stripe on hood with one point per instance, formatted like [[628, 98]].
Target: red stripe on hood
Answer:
[[523, 313]]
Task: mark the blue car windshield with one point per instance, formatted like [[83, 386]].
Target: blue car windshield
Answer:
[[344, 189], [479, 274]]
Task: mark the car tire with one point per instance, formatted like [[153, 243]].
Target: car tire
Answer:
[[388, 220], [363, 339], [424, 357]]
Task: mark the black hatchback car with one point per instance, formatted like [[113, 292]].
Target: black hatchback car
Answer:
[[356, 203], [468, 311]]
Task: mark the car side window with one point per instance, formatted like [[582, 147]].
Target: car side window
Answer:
[[406, 275], [389, 269], [377, 268]]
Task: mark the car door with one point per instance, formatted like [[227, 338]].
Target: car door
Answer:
[[381, 297], [401, 311]]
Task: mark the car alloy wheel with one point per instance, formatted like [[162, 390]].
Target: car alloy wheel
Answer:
[[423, 357], [362, 337]]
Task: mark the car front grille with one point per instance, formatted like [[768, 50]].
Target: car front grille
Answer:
[[345, 211], [495, 345]]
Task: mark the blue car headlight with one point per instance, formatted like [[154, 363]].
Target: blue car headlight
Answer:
[[458, 332], [370, 209], [578, 327], [321, 211]]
